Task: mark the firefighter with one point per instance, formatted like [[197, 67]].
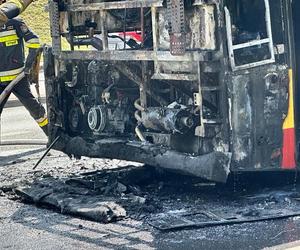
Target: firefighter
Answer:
[[11, 9], [12, 37]]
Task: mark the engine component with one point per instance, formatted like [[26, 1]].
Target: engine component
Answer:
[[107, 119], [97, 118], [75, 119], [106, 95], [74, 80], [94, 71], [167, 119]]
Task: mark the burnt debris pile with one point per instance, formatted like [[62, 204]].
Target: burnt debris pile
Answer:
[[164, 200], [104, 196]]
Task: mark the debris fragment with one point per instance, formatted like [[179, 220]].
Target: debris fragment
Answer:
[[72, 200], [138, 199], [121, 188]]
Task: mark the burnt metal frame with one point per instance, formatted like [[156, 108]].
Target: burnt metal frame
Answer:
[[154, 55], [114, 5], [232, 48], [137, 55], [124, 55], [219, 161], [141, 55]]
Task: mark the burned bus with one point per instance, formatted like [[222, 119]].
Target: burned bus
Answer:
[[203, 87]]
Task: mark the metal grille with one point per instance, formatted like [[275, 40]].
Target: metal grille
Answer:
[[176, 26], [54, 25]]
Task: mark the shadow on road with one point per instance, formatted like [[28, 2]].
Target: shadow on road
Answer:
[[16, 158]]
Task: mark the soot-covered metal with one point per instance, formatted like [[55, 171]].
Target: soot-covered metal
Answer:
[[200, 87]]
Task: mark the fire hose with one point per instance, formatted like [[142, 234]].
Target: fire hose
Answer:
[[10, 86], [3, 97]]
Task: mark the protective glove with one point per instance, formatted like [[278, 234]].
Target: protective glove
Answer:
[[12, 8], [32, 55]]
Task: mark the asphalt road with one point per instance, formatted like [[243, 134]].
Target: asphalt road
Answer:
[[24, 226], [16, 123]]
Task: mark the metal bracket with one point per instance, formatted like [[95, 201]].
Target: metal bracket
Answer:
[[197, 99], [54, 25]]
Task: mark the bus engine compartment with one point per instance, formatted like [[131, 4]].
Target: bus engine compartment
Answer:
[[202, 87]]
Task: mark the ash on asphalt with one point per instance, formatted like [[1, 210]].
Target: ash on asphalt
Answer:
[[108, 191], [151, 196], [164, 200]]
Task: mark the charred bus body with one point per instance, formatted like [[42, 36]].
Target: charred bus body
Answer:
[[202, 87]]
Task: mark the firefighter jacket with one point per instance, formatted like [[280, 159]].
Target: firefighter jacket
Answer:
[[12, 37]]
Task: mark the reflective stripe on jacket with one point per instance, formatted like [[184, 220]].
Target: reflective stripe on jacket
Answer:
[[12, 56]]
